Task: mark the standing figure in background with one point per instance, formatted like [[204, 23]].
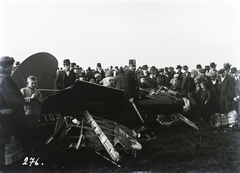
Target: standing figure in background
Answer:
[[214, 85], [226, 92], [186, 75], [100, 70], [118, 82], [33, 100], [205, 96], [175, 83], [66, 77], [237, 89], [14, 138]]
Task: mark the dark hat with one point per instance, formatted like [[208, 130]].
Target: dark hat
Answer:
[[6, 61], [166, 68], [221, 71], [153, 69], [73, 64], [185, 67], [198, 66], [202, 71], [233, 70], [170, 68], [179, 67], [17, 63], [226, 65], [132, 62], [144, 67], [76, 67], [161, 70], [213, 65], [66, 62], [207, 67], [99, 64]]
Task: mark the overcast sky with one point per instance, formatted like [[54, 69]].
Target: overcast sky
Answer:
[[154, 32]]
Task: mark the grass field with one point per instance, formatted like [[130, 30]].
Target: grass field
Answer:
[[178, 148]]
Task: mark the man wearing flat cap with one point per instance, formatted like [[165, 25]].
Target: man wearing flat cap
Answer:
[[226, 92], [66, 77]]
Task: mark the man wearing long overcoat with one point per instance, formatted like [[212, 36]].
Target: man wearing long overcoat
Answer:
[[131, 95]]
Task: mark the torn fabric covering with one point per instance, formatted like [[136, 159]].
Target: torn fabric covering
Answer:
[[127, 143]]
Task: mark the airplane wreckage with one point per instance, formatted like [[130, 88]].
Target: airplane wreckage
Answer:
[[89, 115]]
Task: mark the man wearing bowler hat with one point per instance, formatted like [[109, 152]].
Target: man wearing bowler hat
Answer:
[[179, 72], [66, 77], [227, 68], [213, 69]]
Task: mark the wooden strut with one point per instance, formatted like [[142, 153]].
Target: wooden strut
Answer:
[[108, 159], [134, 106], [102, 137], [81, 136]]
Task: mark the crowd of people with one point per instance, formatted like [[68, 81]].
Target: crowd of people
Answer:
[[210, 90]]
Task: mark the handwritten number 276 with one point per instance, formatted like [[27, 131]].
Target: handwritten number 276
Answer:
[[30, 161]]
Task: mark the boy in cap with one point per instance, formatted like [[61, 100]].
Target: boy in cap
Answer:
[[33, 100]]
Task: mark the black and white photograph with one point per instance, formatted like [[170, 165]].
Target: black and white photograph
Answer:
[[120, 86]]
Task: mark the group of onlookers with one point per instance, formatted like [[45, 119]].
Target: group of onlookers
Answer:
[[208, 89]]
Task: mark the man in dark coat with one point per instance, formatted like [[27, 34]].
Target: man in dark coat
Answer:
[[162, 80], [131, 97], [226, 92], [185, 80], [214, 85], [119, 79], [131, 93], [66, 77], [100, 70]]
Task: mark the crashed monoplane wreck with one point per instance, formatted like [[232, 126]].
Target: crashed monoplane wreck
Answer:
[[90, 115]]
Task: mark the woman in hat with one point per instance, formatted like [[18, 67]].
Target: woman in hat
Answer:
[[13, 137]]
